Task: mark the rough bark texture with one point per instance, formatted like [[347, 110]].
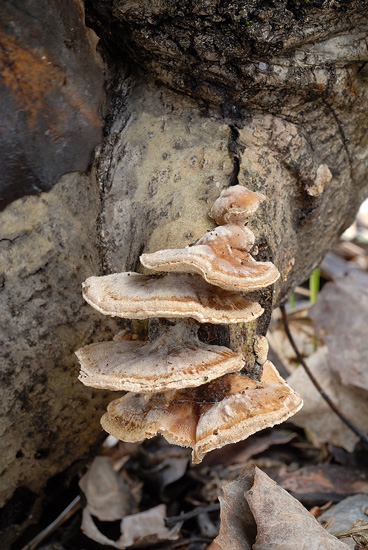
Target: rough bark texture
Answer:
[[49, 245], [278, 102], [290, 79], [51, 89]]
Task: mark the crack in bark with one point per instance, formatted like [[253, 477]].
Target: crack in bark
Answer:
[[6, 240], [342, 135], [104, 161], [233, 144]]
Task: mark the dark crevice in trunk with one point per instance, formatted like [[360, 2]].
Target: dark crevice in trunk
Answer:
[[233, 145]]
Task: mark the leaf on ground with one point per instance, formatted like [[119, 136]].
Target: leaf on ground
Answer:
[[239, 453], [303, 333], [257, 514], [313, 484], [316, 415], [237, 528], [145, 527], [108, 497], [342, 515], [283, 522], [163, 463], [340, 316]]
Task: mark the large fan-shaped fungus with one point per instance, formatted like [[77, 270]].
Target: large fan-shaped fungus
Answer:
[[174, 296], [224, 411], [173, 358]]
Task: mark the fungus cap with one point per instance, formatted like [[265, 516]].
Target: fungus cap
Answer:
[[235, 204], [174, 359], [221, 258], [135, 296], [224, 411]]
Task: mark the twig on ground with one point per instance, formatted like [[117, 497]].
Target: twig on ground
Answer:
[[363, 436], [69, 511], [170, 522]]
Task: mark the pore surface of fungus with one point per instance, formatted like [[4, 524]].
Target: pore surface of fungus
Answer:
[[236, 204], [174, 358], [221, 257], [135, 296], [224, 411]]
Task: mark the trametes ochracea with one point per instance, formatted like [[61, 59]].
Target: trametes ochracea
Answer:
[[186, 390]]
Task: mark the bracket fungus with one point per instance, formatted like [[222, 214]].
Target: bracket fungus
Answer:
[[236, 204], [208, 417], [221, 257], [190, 392], [136, 296], [173, 358]]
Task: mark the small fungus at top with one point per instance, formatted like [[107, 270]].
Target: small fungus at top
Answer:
[[236, 204]]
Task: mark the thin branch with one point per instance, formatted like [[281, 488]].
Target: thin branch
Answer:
[[352, 531], [193, 513], [363, 436], [62, 518]]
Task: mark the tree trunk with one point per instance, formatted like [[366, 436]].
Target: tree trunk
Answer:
[[201, 95]]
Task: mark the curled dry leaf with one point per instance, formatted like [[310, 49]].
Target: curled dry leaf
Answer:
[[238, 528], [274, 519], [316, 415], [108, 498], [145, 527], [340, 317]]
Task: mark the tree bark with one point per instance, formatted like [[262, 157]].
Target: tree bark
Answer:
[[202, 95]]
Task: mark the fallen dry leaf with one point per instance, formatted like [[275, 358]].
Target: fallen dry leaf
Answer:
[[241, 452], [237, 528], [108, 498], [313, 484], [148, 527], [303, 333], [257, 514], [340, 316], [316, 415], [342, 515], [283, 522]]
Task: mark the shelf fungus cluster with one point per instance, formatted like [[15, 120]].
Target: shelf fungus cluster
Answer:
[[190, 392]]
